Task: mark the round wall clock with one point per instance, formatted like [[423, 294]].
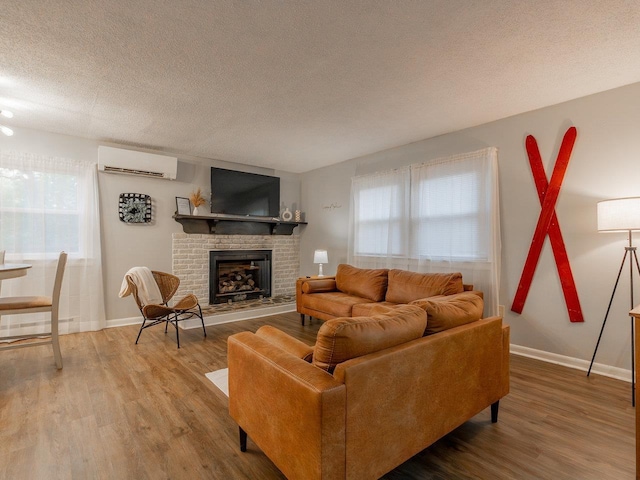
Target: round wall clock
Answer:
[[134, 208]]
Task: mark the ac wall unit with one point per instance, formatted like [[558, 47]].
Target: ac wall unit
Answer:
[[130, 162]]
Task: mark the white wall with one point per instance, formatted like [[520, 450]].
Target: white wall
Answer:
[[127, 245], [604, 164]]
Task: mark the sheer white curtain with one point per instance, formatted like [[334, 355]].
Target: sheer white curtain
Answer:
[[48, 205], [451, 221], [380, 219], [455, 214]]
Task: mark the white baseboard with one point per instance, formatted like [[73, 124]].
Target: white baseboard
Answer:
[[578, 364], [122, 322], [239, 315], [214, 319]]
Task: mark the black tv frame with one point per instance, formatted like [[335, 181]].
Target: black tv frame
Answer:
[[243, 194]]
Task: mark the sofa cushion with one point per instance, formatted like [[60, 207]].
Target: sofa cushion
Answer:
[[444, 313], [405, 286], [362, 282], [337, 304], [368, 309], [341, 339]]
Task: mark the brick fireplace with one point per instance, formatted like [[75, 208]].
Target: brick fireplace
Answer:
[[191, 254]]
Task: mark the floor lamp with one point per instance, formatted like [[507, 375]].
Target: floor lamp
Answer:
[[621, 215]]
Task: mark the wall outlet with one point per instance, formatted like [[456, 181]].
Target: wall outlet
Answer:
[[501, 310]]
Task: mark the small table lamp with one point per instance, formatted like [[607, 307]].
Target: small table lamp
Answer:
[[320, 257]]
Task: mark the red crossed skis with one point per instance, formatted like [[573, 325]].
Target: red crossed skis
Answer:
[[548, 225]]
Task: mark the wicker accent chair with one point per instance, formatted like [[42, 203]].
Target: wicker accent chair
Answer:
[[35, 304], [186, 308]]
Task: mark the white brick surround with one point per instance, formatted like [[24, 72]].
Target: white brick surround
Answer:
[[191, 260]]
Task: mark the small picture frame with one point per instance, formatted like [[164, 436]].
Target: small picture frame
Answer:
[[183, 205]]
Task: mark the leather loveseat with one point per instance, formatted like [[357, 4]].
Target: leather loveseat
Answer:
[[371, 393], [355, 291]]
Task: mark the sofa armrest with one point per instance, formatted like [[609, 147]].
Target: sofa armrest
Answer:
[[475, 292], [318, 285], [286, 342], [309, 285], [287, 406]]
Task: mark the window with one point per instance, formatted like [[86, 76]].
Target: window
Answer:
[[39, 211], [49, 205], [379, 203], [440, 216], [448, 214]]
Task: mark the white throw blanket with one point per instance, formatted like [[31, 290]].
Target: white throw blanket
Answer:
[[148, 291]]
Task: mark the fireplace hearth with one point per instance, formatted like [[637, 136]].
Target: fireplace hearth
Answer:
[[239, 275]]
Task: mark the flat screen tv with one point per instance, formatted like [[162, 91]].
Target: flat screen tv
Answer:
[[242, 193]]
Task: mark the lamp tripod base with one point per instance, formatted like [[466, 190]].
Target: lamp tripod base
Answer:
[[633, 256]]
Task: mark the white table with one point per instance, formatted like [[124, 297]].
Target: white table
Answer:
[[13, 270]]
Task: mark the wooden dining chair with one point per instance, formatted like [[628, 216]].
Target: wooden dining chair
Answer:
[[34, 304]]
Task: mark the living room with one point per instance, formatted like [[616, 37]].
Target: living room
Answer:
[[595, 93]]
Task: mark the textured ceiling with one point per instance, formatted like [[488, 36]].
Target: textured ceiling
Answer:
[[297, 85]]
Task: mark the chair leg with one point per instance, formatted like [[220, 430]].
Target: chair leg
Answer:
[[243, 440], [55, 342], [302, 319], [202, 320], [141, 327], [177, 331], [494, 411]]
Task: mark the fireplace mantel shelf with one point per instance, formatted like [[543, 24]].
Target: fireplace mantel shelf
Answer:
[[234, 225]]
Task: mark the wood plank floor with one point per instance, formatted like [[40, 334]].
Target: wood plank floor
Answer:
[[121, 411]]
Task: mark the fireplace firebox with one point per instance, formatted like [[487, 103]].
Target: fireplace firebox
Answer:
[[236, 275]]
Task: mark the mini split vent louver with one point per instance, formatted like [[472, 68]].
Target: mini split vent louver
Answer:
[[131, 162]]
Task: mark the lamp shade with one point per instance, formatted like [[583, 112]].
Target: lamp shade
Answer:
[[320, 256], [619, 214]]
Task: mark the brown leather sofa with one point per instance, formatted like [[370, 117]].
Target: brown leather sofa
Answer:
[[371, 393], [355, 291]]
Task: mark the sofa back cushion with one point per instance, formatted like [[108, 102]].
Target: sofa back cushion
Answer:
[[341, 339], [444, 313], [405, 286], [362, 282]]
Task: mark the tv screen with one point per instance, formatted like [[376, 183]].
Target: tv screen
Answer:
[[241, 193]]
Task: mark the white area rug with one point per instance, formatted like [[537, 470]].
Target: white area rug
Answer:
[[220, 379]]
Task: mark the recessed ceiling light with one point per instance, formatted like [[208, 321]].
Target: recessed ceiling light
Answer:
[[6, 130], [6, 113]]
